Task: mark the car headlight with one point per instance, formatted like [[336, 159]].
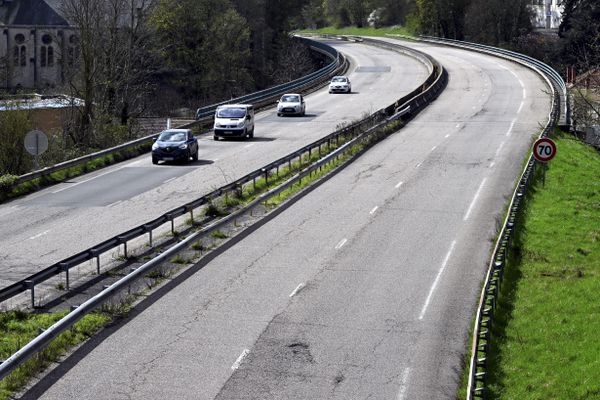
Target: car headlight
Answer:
[[154, 146], [218, 125], [183, 146]]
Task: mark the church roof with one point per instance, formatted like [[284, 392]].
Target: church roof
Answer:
[[36, 12]]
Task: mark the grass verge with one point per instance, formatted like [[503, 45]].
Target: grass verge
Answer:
[[545, 341], [17, 328], [365, 31]]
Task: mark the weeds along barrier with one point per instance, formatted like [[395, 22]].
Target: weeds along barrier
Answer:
[[262, 98], [337, 144], [478, 366]]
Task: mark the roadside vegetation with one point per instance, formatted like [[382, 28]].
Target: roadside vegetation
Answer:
[[17, 328], [364, 31], [545, 341]]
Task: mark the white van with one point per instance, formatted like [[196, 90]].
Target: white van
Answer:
[[234, 120]]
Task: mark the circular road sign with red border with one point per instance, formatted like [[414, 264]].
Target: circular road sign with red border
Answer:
[[544, 149]]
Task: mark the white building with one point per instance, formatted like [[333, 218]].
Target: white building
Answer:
[[36, 44], [547, 13]]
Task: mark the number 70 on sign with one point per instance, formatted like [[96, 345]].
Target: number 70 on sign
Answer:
[[544, 149]]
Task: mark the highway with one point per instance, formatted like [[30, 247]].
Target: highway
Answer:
[[362, 289], [48, 226]]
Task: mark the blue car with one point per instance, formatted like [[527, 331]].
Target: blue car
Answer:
[[175, 145]]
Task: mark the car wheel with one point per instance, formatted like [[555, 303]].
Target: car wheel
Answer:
[[251, 133], [154, 160], [195, 155], [279, 114], [215, 137]]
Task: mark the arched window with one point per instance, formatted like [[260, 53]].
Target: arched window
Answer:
[[73, 50], [47, 52], [20, 51], [50, 56]]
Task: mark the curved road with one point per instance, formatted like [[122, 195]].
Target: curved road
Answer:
[[362, 289], [57, 222]]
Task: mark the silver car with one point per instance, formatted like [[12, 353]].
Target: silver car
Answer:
[[291, 104], [340, 84]]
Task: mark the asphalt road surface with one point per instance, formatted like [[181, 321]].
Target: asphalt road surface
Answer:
[[362, 289], [46, 227]]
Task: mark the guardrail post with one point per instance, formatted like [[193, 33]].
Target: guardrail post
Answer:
[[150, 237], [31, 285], [192, 215], [125, 249], [266, 175], [96, 254], [65, 268]]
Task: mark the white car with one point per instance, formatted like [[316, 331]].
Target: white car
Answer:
[[234, 120], [291, 103], [340, 84]]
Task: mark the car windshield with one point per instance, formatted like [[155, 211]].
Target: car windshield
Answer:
[[290, 99], [339, 79], [169, 136], [237, 112]]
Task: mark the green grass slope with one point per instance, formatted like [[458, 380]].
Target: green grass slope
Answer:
[[546, 337]]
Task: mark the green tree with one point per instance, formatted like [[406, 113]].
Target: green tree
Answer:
[[580, 34], [205, 44], [497, 21], [443, 18]]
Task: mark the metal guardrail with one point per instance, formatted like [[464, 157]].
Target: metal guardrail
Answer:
[[260, 98], [96, 251], [408, 106], [491, 289], [267, 96]]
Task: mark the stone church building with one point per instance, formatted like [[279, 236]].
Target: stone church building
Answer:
[[36, 45]]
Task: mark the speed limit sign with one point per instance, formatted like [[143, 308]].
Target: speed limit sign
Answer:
[[544, 149]]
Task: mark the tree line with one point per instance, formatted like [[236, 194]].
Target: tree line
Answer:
[[141, 57]]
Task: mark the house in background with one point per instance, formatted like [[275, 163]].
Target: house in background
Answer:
[[547, 13], [36, 45]]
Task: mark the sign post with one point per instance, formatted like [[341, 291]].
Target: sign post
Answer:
[[36, 142], [544, 150]]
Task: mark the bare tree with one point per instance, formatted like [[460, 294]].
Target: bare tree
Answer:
[[111, 68]]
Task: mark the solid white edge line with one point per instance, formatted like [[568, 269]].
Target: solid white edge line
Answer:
[[403, 386], [239, 360], [474, 200], [341, 243], [399, 184], [437, 279], [298, 288], [115, 203], [373, 210], [92, 178], [170, 180]]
